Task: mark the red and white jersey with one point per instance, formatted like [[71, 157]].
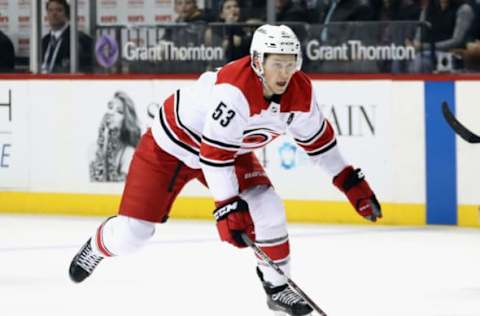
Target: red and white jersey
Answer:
[[224, 114]]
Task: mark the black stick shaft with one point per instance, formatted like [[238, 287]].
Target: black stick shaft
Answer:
[[259, 252]]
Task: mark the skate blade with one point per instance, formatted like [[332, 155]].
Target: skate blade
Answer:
[[277, 313]]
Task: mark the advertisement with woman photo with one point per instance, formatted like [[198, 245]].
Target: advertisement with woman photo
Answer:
[[118, 135]]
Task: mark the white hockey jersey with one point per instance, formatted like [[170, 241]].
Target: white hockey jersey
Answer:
[[224, 114]]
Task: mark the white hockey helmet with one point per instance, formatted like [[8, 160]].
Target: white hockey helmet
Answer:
[[273, 39]]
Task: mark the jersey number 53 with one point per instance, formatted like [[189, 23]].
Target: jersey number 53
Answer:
[[223, 114]]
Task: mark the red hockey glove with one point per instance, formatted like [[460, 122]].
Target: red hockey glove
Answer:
[[233, 218], [352, 183]]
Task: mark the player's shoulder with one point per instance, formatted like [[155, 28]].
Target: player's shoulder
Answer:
[[299, 95], [300, 82], [239, 76]]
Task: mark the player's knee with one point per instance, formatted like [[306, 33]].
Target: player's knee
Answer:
[[123, 235], [268, 212], [136, 229], [276, 202]]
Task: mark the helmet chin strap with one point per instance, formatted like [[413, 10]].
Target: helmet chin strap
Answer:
[[259, 71], [267, 88], [263, 80]]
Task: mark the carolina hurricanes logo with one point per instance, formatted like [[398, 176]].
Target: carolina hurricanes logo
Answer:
[[258, 138], [255, 138]]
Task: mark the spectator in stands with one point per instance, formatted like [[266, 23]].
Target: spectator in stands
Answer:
[[118, 136], [395, 33], [56, 44], [346, 11], [233, 38], [343, 11], [7, 54], [188, 11], [287, 11], [471, 54], [451, 26], [254, 9], [189, 31], [396, 10], [191, 34], [476, 28]]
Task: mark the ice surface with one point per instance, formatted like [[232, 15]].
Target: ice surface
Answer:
[[185, 270]]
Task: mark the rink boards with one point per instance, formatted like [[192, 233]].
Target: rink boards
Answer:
[[393, 129]]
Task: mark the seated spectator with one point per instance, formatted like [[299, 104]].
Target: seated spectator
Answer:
[[343, 11], [254, 9], [56, 44], [476, 28], [470, 56], [336, 29], [232, 38], [188, 11], [397, 10], [396, 33], [451, 23], [346, 11], [288, 11], [189, 32], [7, 54]]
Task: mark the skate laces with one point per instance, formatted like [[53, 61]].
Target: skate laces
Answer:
[[87, 259], [288, 297]]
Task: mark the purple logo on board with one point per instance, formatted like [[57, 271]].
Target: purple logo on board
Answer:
[[106, 51]]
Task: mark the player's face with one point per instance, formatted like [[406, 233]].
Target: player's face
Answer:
[[56, 15], [115, 114], [278, 70]]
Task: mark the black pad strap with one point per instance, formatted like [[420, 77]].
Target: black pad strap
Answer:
[[234, 206], [353, 179]]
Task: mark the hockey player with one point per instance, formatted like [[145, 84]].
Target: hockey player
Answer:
[[208, 132]]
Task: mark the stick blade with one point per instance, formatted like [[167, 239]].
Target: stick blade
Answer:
[[461, 130]]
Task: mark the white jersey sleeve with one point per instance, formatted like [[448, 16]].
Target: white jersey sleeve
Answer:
[[222, 139], [314, 133]]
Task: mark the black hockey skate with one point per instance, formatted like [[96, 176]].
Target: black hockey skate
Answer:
[[283, 299], [83, 264]]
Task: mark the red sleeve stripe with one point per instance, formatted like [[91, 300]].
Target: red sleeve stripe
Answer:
[[192, 134], [219, 144], [314, 137], [175, 138], [324, 149], [172, 125], [215, 154], [324, 139]]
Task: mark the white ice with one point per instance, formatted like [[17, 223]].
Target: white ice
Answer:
[[185, 270]]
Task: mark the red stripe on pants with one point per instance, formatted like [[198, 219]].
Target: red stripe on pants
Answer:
[[100, 244], [277, 252]]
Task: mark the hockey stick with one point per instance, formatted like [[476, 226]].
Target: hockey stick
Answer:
[[461, 130], [259, 252]]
